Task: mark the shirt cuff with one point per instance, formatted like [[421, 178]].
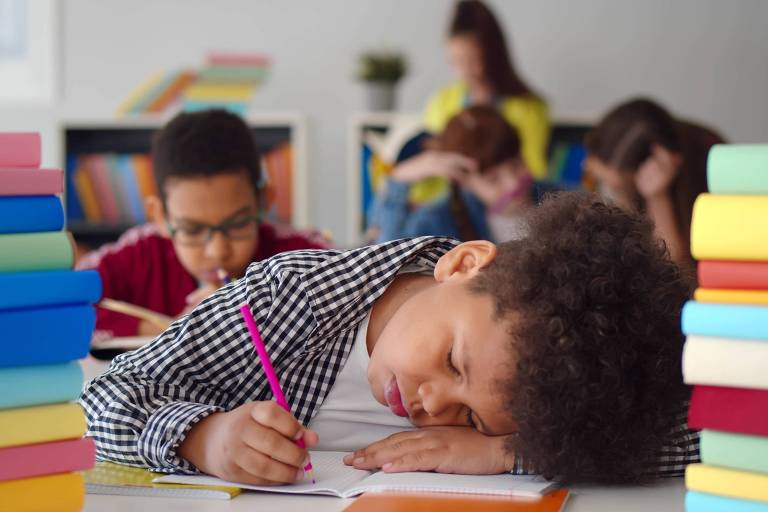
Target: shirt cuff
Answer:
[[165, 431]]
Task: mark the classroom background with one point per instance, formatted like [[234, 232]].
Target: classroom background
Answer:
[[705, 59]]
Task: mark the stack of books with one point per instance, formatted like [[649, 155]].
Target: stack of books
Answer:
[[726, 351], [46, 323], [226, 80]]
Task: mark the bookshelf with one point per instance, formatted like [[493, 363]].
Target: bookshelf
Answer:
[[133, 136], [385, 132]]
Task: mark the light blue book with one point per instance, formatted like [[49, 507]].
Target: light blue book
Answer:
[[124, 165], [725, 320], [37, 385], [702, 502]]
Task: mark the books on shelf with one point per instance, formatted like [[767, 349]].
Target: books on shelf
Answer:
[[726, 349]]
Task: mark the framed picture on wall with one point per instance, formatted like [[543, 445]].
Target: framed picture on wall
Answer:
[[29, 31]]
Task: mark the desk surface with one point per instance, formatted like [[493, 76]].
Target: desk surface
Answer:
[[665, 496]]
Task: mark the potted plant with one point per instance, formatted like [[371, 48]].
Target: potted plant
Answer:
[[381, 70]]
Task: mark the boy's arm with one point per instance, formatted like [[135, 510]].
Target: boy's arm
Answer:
[[142, 408]]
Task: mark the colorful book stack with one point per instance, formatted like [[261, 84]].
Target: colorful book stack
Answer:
[[726, 352], [226, 81], [109, 188], [46, 322]]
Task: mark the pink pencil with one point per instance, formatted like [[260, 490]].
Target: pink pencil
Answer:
[[274, 384]]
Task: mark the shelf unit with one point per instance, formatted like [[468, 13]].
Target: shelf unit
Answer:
[[134, 135]]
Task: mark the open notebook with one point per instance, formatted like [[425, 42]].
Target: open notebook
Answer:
[[334, 478]]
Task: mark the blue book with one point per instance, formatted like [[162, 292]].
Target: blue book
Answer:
[[35, 336], [30, 214], [702, 502], [49, 288], [725, 320], [74, 208], [572, 169], [37, 385], [124, 165]]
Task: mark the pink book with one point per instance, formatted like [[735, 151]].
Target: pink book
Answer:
[[19, 149], [238, 59], [31, 182], [96, 166], [31, 460]]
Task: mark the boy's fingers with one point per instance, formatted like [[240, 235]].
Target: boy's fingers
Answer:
[[310, 438], [376, 458], [258, 465], [421, 460], [271, 415], [271, 443]]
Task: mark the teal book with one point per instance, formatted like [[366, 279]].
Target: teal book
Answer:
[[725, 320], [124, 165], [737, 451], [703, 502], [116, 182], [738, 169], [37, 385]]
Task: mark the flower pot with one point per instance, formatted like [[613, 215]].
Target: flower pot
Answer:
[[380, 95]]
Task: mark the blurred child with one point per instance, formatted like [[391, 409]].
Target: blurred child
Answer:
[[491, 188], [207, 219], [643, 159]]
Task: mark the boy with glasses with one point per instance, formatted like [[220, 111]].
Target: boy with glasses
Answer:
[[206, 220]]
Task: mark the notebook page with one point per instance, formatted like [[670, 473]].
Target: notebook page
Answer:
[[332, 475], [499, 485]]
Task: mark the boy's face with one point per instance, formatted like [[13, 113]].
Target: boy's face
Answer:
[[442, 356], [193, 205]]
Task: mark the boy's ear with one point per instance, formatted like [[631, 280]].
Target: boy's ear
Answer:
[[465, 260], [153, 206]]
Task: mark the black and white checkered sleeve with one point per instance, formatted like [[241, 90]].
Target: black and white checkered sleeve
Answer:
[[141, 409]]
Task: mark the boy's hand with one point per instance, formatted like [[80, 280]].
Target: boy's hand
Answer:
[[198, 296], [441, 449], [656, 174], [252, 444], [434, 163]]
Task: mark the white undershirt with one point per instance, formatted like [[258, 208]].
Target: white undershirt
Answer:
[[350, 418]]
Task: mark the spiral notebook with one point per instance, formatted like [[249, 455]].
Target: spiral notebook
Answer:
[[334, 478]]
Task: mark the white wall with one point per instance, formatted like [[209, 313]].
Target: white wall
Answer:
[[707, 59]]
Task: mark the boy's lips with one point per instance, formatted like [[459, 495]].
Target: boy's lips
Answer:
[[394, 399]]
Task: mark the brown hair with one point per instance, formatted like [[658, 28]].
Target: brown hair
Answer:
[[474, 18], [594, 303], [482, 134], [624, 139]]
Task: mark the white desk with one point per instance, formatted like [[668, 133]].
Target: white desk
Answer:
[[665, 496]]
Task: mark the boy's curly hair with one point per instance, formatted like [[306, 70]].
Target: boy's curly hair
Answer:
[[596, 301]]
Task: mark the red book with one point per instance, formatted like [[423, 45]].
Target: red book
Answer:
[[738, 275], [31, 460], [98, 172], [31, 182], [19, 149], [238, 59], [744, 411]]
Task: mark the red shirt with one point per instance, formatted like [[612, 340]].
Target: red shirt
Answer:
[[142, 268]]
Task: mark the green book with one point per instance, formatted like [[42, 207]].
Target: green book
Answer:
[[738, 169], [36, 251], [737, 451], [232, 74]]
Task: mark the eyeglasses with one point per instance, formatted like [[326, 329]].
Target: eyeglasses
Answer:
[[197, 235]]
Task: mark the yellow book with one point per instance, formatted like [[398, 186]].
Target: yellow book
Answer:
[[87, 195], [730, 228], [718, 296], [27, 425], [55, 493], [207, 91], [727, 482], [138, 94], [119, 480]]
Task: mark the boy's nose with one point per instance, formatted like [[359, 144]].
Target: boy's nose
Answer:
[[439, 404], [218, 248]]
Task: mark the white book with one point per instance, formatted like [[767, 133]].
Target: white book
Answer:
[[334, 478], [725, 362]]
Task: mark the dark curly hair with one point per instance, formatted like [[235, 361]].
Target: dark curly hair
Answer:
[[596, 334], [202, 144]]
